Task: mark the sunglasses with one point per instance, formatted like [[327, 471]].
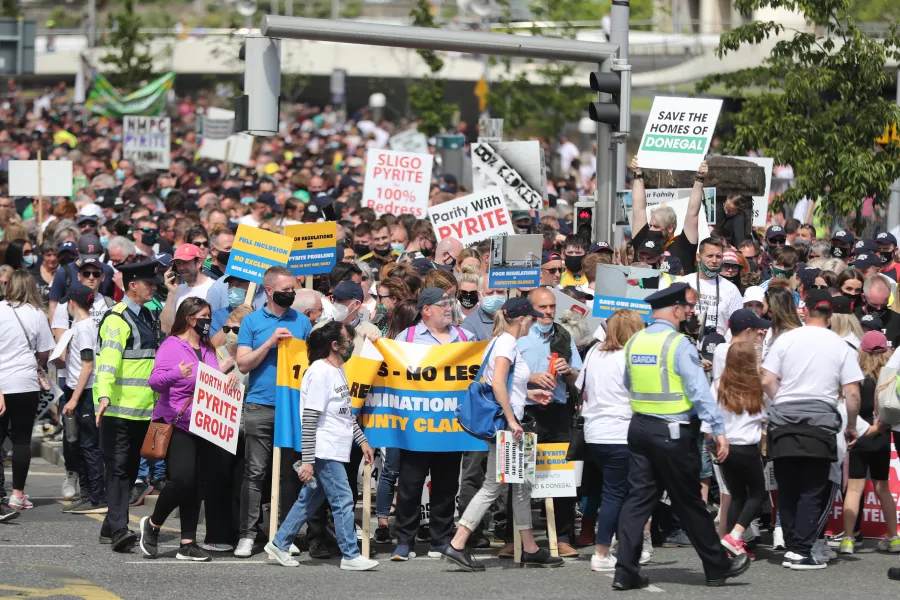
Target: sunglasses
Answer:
[[230, 329], [385, 297], [820, 287], [148, 229], [92, 274], [554, 270], [203, 244]]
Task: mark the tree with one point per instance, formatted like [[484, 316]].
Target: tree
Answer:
[[817, 103], [10, 8], [426, 96], [129, 59]]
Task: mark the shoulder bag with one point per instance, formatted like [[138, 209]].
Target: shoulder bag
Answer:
[[479, 413], [156, 442], [578, 446], [43, 378], [886, 400]]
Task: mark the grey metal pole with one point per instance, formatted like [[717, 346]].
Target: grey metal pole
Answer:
[[274, 7], [92, 23], [603, 213], [335, 10], [893, 216], [486, 59]]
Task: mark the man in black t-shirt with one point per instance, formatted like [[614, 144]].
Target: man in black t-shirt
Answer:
[[876, 292], [661, 223]]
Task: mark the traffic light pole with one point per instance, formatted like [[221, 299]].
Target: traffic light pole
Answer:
[[606, 177]]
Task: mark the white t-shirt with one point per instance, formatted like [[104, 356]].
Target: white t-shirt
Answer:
[[18, 370], [730, 300], [198, 291], [813, 363], [567, 153], [740, 429], [505, 346], [249, 220], [324, 388], [607, 408], [98, 309], [84, 337], [720, 354]]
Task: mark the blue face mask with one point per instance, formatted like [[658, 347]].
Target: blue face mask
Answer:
[[104, 240], [29, 261], [398, 247], [492, 304], [164, 192], [544, 328], [120, 175], [236, 297]]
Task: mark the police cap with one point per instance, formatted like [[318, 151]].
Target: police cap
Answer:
[[142, 271], [670, 296]]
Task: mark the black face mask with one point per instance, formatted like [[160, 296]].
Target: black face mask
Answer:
[[451, 264], [202, 327], [284, 299], [468, 299], [838, 252], [886, 257], [361, 250], [66, 260], [384, 252], [148, 239], [875, 313], [427, 252], [852, 297], [573, 263], [690, 326], [222, 258]]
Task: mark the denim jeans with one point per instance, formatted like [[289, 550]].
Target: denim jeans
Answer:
[[333, 485], [384, 497], [151, 470], [612, 461], [93, 484]]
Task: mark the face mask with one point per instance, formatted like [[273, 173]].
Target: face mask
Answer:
[[120, 175], [690, 326], [427, 252], [450, 264], [202, 327], [886, 257], [236, 297], [875, 313], [29, 261], [340, 312], [573, 263], [284, 299], [347, 352], [164, 192], [709, 272], [468, 299], [522, 230], [384, 252], [544, 328], [852, 297], [148, 239], [783, 273], [104, 240], [398, 247], [492, 304], [837, 252], [361, 250], [231, 340], [222, 258]]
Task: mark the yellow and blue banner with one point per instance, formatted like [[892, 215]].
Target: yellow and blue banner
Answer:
[[516, 277], [314, 250], [255, 250]]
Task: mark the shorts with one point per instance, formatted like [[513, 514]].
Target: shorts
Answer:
[[876, 464], [706, 465]]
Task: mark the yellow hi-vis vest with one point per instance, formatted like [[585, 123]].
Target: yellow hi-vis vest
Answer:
[[655, 387]]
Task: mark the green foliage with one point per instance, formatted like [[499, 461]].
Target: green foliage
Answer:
[[426, 96], [63, 18], [878, 11], [9, 8], [129, 60], [821, 106]]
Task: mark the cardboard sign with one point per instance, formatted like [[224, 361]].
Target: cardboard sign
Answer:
[[314, 248], [472, 218], [147, 141], [409, 141], [564, 302], [490, 130], [515, 167], [761, 203], [554, 476], [236, 148], [678, 133], [397, 182], [516, 459], [671, 196], [217, 129], [622, 288], [56, 178], [515, 261], [255, 250], [216, 411]]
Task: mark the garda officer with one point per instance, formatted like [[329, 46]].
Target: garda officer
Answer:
[[668, 390], [123, 399], [381, 253]]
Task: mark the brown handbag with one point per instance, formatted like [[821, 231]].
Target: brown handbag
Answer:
[[156, 442]]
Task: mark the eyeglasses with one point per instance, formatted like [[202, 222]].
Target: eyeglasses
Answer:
[[444, 303], [230, 329], [554, 270], [148, 229], [203, 244], [92, 274], [385, 297]]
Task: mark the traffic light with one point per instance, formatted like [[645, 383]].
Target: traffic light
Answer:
[[584, 218], [257, 111], [614, 112]]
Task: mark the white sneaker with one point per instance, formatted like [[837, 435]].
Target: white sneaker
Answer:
[[754, 530], [889, 544], [615, 543], [646, 549], [20, 502], [604, 564], [788, 557], [295, 551], [217, 547], [778, 539], [275, 553], [68, 487], [244, 548], [360, 563]]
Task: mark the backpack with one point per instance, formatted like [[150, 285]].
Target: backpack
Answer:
[[479, 413]]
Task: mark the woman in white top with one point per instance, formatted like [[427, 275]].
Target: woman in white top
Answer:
[[740, 396], [607, 414], [25, 341], [329, 431], [511, 322]]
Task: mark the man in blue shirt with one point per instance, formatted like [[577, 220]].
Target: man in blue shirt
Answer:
[[553, 422], [257, 354]]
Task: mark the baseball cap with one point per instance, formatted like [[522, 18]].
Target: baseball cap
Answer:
[[422, 266], [348, 290], [268, 198], [520, 215], [431, 296], [874, 342], [754, 293], [89, 245], [86, 219], [92, 210], [186, 252], [549, 257], [519, 307], [87, 261], [871, 323], [655, 248], [843, 236], [865, 247], [821, 299], [774, 231], [213, 172], [885, 238], [863, 261], [807, 276], [730, 257], [671, 264], [80, 294], [67, 247], [842, 305], [600, 247], [744, 318], [163, 258], [710, 343]]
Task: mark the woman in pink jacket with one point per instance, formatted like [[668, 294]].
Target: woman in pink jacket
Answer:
[[174, 378]]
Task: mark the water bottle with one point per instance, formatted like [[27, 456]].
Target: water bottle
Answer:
[[71, 428], [311, 484]]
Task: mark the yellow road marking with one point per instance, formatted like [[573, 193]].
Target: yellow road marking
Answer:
[[73, 585]]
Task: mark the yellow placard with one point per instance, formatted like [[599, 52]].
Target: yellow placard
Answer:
[[552, 457]]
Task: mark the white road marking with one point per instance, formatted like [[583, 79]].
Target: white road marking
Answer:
[[649, 588], [35, 545], [192, 562]]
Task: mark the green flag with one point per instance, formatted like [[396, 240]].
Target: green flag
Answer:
[[149, 101]]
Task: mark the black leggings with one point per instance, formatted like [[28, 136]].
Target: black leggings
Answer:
[[17, 423], [743, 474], [180, 490]]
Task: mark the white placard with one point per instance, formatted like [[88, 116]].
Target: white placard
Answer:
[[409, 141], [56, 178], [61, 345], [490, 130], [216, 411], [397, 182], [147, 141], [554, 476], [761, 203], [217, 129], [671, 197], [239, 145], [516, 167], [472, 218], [678, 133], [515, 459]]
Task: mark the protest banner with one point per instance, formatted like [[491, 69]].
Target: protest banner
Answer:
[[516, 458], [216, 411], [678, 133], [515, 167], [55, 178], [515, 261], [147, 141], [761, 203], [873, 525], [397, 182], [409, 141], [554, 476], [236, 148], [255, 250], [624, 287], [472, 218], [673, 197], [314, 248], [217, 129]]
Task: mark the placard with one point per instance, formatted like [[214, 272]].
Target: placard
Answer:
[[56, 178], [517, 168], [255, 250], [678, 133], [761, 203], [409, 141], [216, 408], [490, 130], [397, 182], [472, 218], [554, 476], [147, 141], [516, 459], [239, 146], [217, 129], [314, 250], [670, 196], [515, 261], [623, 287]]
